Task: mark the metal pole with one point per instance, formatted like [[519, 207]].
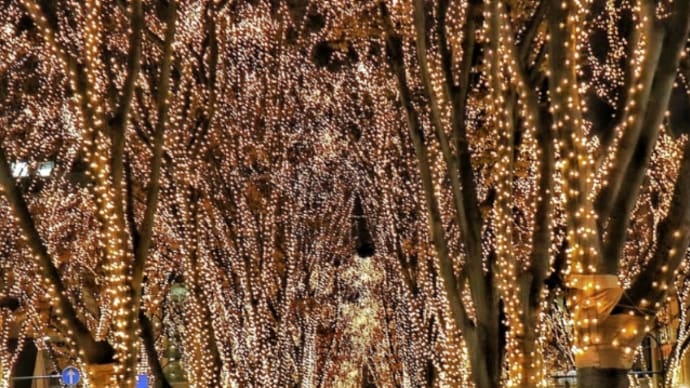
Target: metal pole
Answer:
[[36, 377]]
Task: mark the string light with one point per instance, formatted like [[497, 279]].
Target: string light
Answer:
[[272, 119]]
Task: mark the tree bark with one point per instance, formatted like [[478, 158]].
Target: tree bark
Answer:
[[430, 374], [147, 334], [206, 356], [602, 378]]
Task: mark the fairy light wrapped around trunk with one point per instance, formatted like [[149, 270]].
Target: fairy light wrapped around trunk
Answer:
[[603, 340]]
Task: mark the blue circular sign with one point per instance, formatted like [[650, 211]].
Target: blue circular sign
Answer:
[[70, 375], [142, 381]]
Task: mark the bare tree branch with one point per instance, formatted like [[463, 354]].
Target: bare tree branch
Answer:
[[631, 183], [472, 246], [146, 228], [626, 146], [396, 61], [674, 236], [525, 44], [567, 119], [119, 124]]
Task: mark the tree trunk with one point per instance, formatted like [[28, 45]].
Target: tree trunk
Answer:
[[148, 336], [430, 374], [485, 355], [102, 375], [602, 378], [205, 361], [604, 342], [530, 361]]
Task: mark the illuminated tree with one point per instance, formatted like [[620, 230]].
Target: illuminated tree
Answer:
[[90, 100], [617, 294], [489, 225], [258, 207], [257, 263], [492, 83]]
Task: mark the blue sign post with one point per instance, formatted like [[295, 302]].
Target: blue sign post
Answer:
[[142, 381], [70, 376]]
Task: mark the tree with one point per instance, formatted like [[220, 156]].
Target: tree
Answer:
[[610, 321], [485, 215], [95, 99], [247, 221], [500, 95]]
